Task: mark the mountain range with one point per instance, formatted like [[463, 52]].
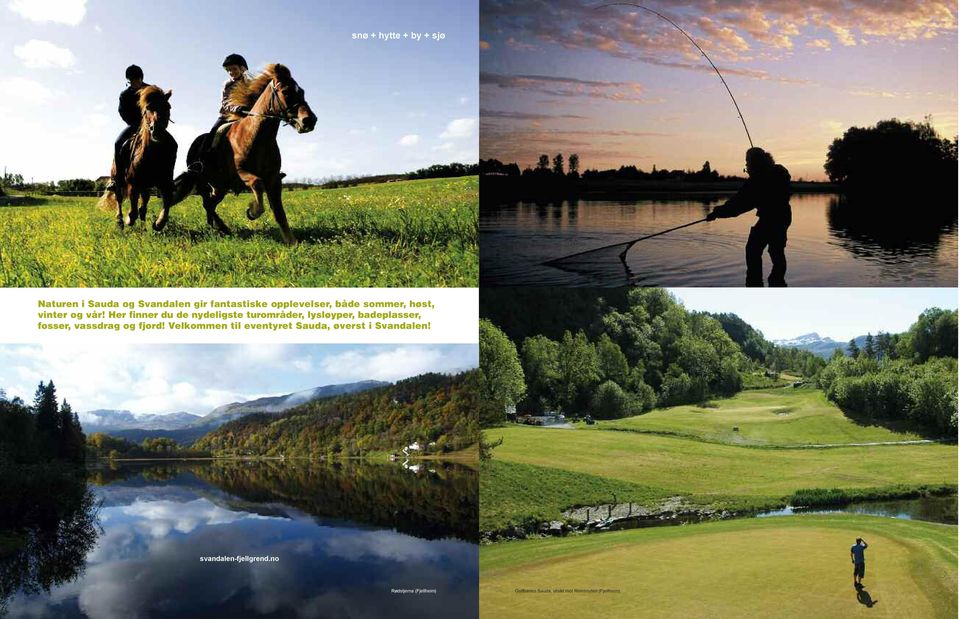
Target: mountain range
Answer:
[[185, 428], [819, 345]]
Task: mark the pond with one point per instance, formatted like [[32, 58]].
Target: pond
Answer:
[[942, 509], [826, 246], [348, 540]]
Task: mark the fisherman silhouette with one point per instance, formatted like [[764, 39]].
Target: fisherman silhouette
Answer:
[[768, 190]]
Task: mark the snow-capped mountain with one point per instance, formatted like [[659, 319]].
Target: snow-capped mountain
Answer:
[[817, 344]]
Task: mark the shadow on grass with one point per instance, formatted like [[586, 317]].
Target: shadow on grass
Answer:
[[896, 425], [863, 596]]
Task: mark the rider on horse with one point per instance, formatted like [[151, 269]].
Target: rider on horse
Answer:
[[129, 110], [236, 67]]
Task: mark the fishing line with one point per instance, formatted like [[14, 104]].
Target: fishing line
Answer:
[[690, 38]]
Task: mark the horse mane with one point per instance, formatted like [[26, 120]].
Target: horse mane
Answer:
[[148, 94], [246, 92]]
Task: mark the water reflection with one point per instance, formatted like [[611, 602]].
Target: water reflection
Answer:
[[342, 537], [942, 509], [827, 245], [45, 544]]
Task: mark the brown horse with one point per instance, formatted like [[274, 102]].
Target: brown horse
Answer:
[[146, 161], [245, 151]]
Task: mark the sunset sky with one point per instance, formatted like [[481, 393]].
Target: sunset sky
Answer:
[[618, 85]]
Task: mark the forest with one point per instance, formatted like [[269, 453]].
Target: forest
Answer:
[[616, 357], [613, 354], [438, 411], [911, 382]]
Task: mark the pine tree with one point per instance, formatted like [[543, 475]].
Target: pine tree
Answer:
[[853, 349], [45, 409], [868, 348]]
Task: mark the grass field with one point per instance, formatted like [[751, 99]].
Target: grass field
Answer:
[[795, 566], [412, 234], [537, 473], [771, 417]]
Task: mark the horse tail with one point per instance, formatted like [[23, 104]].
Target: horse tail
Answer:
[[184, 185], [108, 201]]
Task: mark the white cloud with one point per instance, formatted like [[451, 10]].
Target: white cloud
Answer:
[[391, 364], [25, 90], [459, 128], [409, 140], [37, 54], [70, 12]]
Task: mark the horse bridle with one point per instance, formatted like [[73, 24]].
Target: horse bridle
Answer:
[[285, 116]]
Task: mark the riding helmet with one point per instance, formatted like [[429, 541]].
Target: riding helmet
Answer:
[[236, 59], [134, 72]]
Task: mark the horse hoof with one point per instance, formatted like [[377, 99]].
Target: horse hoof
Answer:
[[158, 226], [253, 215]]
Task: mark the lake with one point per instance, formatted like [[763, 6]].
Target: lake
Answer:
[[824, 247], [337, 540]]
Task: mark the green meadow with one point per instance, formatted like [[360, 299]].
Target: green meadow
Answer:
[[419, 233], [795, 566], [769, 417]]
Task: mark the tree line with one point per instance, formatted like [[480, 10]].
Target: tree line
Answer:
[[46, 432], [909, 378], [101, 445]]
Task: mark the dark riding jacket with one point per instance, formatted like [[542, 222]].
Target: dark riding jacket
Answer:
[[130, 105], [768, 191]]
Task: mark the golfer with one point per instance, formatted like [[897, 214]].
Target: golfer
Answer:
[[768, 190], [859, 566]]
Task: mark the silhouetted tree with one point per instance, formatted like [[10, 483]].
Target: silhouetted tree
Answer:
[[894, 158], [45, 410], [543, 163], [558, 164], [573, 165]]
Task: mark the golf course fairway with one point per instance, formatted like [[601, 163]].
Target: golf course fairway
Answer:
[[794, 566]]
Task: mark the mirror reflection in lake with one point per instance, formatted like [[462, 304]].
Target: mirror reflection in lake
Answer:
[[827, 246], [338, 539]]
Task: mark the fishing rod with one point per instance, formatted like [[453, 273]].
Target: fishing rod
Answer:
[[674, 24]]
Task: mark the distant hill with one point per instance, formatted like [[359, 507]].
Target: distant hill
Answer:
[[280, 403], [818, 345], [186, 428], [109, 420], [431, 408]]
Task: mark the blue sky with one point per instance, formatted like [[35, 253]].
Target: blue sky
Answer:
[[197, 378], [62, 68], [840, 313]]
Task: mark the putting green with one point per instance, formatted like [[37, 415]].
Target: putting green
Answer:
[[795, 566], [775, 417]]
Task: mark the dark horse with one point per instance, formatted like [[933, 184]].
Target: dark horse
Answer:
[[146, 161], [245, 151]]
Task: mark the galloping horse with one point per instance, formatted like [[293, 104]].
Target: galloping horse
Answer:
[[146, 161], [245, 151]]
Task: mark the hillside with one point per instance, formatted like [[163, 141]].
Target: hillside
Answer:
[[185, 428], [431, 408], [281, 403]]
